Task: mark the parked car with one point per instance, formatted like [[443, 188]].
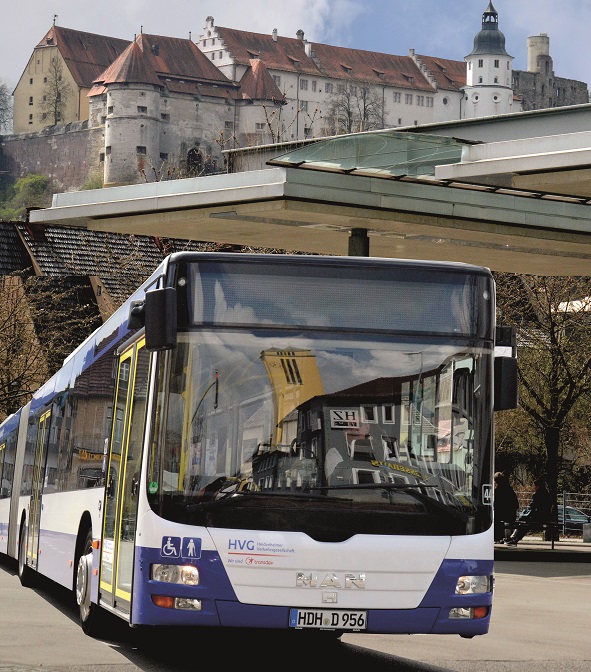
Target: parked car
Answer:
[[575, 519]]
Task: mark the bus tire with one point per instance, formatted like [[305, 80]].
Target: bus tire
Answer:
[[91, 615], [25, 573]]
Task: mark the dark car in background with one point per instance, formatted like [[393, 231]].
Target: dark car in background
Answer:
[[575, 519]]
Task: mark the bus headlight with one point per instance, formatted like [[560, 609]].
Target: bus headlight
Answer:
[[470, 585], [185, 574]]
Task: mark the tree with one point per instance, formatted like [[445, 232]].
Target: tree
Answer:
[[553, 320], [356, 107], [27, 192], [33, 338], [56, 93], [5, 108]]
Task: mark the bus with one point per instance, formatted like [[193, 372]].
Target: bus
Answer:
[[291, 442]]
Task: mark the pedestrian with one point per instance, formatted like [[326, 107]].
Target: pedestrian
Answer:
[[540, 512], [506, 506]]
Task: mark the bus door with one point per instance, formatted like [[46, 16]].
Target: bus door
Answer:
[[124, 462], [38, 476]]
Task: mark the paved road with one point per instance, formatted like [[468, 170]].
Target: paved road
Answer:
[[541, 619]]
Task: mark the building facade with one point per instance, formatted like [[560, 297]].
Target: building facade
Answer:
[[162, 107]]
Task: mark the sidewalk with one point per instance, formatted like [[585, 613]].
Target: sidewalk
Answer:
[[536, 549]]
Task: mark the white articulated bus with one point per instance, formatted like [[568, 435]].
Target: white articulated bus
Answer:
[[288, 442]]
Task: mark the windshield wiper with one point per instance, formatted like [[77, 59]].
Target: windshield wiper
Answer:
[[236, 498], [373, 486]]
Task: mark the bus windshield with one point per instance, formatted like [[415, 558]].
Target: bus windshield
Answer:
[[371, 426]]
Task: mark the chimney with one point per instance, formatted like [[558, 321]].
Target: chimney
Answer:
[[274, 34], [300, 34]]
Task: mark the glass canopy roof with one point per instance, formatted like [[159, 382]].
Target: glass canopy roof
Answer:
[[381, 154]]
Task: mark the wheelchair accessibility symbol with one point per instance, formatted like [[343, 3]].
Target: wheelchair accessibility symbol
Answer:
[[171, 547]]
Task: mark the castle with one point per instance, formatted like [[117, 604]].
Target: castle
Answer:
[[90, 106]]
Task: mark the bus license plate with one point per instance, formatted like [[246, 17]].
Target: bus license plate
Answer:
[[327, 619]]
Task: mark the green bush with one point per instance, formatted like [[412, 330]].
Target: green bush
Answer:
[[32, 191]]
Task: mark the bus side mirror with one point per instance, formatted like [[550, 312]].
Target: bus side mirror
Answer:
[[160, 318], [505, 383]]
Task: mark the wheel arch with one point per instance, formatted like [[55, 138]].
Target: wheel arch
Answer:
[[84, 527]]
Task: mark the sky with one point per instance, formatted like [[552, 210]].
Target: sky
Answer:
[[440, 28]]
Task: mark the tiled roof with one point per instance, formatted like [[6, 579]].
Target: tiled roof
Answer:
[[85, 54], [121, 262], [289, 54], [371, 67], [13, 255], [257, 83], [449, 75], [172, 62], [284, 53], [132, 67]]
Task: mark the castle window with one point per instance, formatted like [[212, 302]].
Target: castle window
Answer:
[[307, 132], [221, 54], [165, 117], [496, 62], [480, 80], [496, 80], [163, 156], [314, 84], [229, 125], [140, 149], [408, 98], [429, 101], [142, 109], [328, 87], [30, 100], [277, 79], [110, 109], [108, 150], [259, 127], [31, 80], [30, 118], [480, 62], [303, 105], [421, 101], [102, 157], [303, 84], [397, 96]]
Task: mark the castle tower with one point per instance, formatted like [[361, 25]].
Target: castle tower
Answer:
[[488, 72]]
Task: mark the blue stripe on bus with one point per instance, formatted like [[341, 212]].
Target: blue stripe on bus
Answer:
[[220, 606]]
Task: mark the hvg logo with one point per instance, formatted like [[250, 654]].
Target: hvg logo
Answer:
[[241, 544]]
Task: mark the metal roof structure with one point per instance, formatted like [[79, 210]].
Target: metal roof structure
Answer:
[[385, 184]]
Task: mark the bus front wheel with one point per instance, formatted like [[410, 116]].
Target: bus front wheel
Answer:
[[90, 613]]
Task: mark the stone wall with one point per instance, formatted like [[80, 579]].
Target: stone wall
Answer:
[[540, 91], [69, 155]]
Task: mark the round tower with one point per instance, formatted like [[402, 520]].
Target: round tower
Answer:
[[132, 131], [538, 52], [488, 89]]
